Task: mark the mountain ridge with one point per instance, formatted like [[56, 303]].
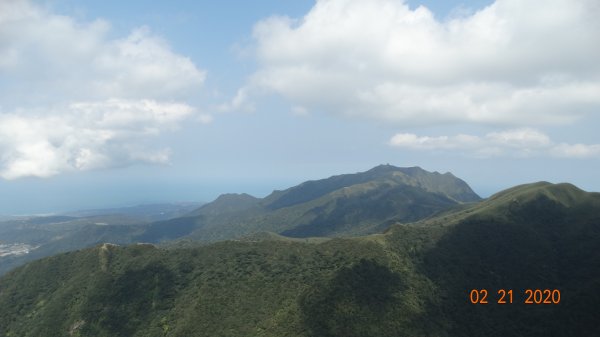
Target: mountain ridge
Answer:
[[290, 195], [413, 280], [346, 204]]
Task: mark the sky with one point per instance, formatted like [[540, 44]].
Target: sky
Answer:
[[112, 103]]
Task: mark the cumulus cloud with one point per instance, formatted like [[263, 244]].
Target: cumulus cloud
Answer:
[[512, 63], [85, 136], [522, 142], [55, 56], [74, 98]]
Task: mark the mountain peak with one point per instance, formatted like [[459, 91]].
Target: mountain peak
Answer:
[[446, 185], [234, 196], [383, 168], [534, 202], [562, 193]]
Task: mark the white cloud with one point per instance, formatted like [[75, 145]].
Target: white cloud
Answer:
[[239, 102], [523, 142], [412, 141], [525, 137], [74, 98], [85, 136], [54, 56], [576, 150], [512, 63]]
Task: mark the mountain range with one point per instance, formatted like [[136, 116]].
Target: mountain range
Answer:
[[342, 205], [372, 271]]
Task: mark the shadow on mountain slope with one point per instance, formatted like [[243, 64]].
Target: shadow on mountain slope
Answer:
[[540, 243], [358, 301]]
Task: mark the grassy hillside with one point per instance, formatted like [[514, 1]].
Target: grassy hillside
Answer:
[[414, 280], [444, 184]]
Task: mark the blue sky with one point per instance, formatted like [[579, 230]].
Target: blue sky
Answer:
[[109, 103]]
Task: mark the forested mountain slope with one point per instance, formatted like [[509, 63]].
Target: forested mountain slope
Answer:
[[414, 280]]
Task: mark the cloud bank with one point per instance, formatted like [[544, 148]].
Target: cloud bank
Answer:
[[515, 62], [522, 142], [85, 136], [73, 98]]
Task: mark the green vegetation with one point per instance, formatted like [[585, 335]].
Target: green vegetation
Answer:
[[344, 205], [414, 280]]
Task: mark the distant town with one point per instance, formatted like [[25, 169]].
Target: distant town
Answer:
[[15, 249]]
